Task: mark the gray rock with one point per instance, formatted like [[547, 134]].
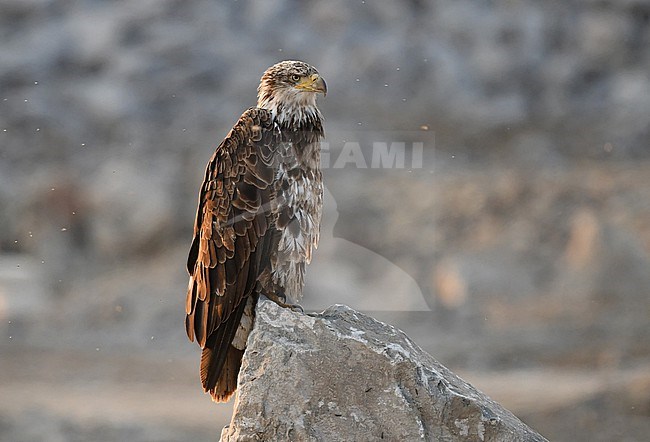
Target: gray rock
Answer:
[[341, 375]]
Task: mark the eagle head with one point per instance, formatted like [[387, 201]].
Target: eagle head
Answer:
[[289, 89]]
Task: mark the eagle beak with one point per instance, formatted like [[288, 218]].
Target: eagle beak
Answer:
[[318, 83], [313, 83]]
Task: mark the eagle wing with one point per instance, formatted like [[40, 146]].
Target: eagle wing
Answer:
[[231, 236]]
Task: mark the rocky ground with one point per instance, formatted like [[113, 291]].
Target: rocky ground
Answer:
[[516, 252], [347, 376]]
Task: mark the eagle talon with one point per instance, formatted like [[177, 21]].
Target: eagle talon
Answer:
[[281, 300]]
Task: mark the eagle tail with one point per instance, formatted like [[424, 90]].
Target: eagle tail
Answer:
[[220, 361], [222, 388]]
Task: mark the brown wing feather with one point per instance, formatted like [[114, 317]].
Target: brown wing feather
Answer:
[[230, 229]]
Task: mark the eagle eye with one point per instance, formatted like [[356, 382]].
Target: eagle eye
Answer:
[[295, 77]]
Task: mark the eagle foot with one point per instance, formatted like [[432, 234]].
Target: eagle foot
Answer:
[[281, 300]]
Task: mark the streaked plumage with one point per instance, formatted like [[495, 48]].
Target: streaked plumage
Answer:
[[258, 219]]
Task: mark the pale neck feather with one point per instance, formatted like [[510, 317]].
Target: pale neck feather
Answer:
[[290, 107]]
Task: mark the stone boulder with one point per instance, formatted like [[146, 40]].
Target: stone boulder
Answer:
[[342, 375]]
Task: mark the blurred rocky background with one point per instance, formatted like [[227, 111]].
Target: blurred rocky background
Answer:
[[517, 252]]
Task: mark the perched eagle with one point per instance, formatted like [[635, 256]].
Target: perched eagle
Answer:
[[258, 219]]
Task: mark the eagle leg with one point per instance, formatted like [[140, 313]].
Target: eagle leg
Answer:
[[281, 300]]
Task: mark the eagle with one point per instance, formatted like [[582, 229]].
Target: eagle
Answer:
[[257, 221]]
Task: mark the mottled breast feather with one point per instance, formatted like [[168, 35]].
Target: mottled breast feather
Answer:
[[298, 203]]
